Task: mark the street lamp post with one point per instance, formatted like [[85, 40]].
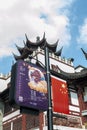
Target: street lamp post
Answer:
[[49, 112]]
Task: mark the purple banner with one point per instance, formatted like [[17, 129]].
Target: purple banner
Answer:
[[31, 86]]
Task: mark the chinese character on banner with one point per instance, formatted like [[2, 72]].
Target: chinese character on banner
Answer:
[[60, 95]]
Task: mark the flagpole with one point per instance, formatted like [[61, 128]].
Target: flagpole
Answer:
[[49, 112]]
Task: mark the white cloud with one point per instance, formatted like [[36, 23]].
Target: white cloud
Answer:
[[33, 17], [82, 39], [5, 4]]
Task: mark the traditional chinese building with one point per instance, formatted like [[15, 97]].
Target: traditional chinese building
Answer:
[[63, 71]]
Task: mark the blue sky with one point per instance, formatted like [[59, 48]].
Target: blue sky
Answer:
[[65, 20]]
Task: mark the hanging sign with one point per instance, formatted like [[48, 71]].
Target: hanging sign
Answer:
[[30, 85]]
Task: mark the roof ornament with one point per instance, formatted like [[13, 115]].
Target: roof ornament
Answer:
[[24, 43], [37, 39], [71, 59], [26, 37], [29, 47], [84, 53], [20, 49]]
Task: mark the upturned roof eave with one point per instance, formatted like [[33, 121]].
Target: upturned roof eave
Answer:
[[70, 76]]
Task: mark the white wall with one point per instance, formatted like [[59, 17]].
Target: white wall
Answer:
[[63, 66], [61, 128], [3, 84]]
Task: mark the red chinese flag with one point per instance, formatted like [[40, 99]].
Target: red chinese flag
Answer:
[[60, 95]]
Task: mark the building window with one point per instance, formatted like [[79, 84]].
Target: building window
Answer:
[[7, 107], [74, 98]]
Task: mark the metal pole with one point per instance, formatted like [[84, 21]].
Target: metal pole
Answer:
[[49, 112]]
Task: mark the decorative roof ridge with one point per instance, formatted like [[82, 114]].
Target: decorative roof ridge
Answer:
[[20, 49], [29, 47], [52, 47], [37, 43], [26, 51], [85, 54], [80, 66], [71, 76]]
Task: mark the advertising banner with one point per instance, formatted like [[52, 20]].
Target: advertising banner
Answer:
[[30, 86], [60, 95]]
